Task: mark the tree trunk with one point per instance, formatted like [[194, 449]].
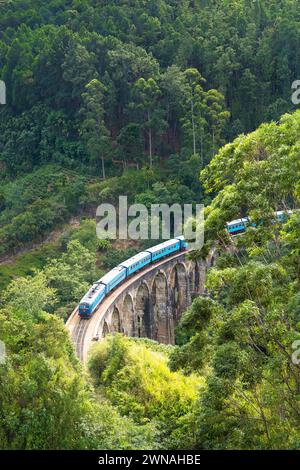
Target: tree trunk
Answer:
[[150, 141], [193, 125], [103, 167]]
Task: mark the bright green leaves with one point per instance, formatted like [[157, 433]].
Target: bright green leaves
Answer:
[[263, 165], [71, 275], [46, 402], [254, 281], [30, 296], [194, 336], [134, 375], [252, 395]]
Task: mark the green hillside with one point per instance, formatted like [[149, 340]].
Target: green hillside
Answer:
[[165, 101]]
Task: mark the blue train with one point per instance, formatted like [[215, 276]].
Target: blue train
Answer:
[[117, 275], [239, 225]]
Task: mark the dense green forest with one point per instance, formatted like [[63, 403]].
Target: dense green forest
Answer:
[[97, 87], [165, 101]]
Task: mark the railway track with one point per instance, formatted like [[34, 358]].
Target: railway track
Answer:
[[78, 336]]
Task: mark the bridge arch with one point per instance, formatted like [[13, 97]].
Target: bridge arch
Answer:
[[160, 300], [143, 311], [191, 279], [105, 329], [197, 277], [115, 321], [194, 276], [128, 316], [179, 290]]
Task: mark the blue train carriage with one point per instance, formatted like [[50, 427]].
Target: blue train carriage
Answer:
[[136, 263], [237, 226], [240, 225], [183, 243], [164, 249], [91, 300], [113, 278], [282, 216]]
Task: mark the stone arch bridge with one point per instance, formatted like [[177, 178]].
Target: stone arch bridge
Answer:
[[149, 304]]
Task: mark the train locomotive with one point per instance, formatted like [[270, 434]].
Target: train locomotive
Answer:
[[124, 270]]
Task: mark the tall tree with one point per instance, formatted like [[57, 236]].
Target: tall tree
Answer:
[[147, 99], [194, 122], [217, 117], [93, 127]]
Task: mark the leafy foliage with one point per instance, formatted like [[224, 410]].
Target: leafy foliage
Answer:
[[134, 375], [46, 402], [242, 336]]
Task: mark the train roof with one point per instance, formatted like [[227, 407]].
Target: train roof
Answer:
[[283, 212], [111, 275], [237, 221], [165, 244], [246, 219], [93, 292], [134, 259]]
